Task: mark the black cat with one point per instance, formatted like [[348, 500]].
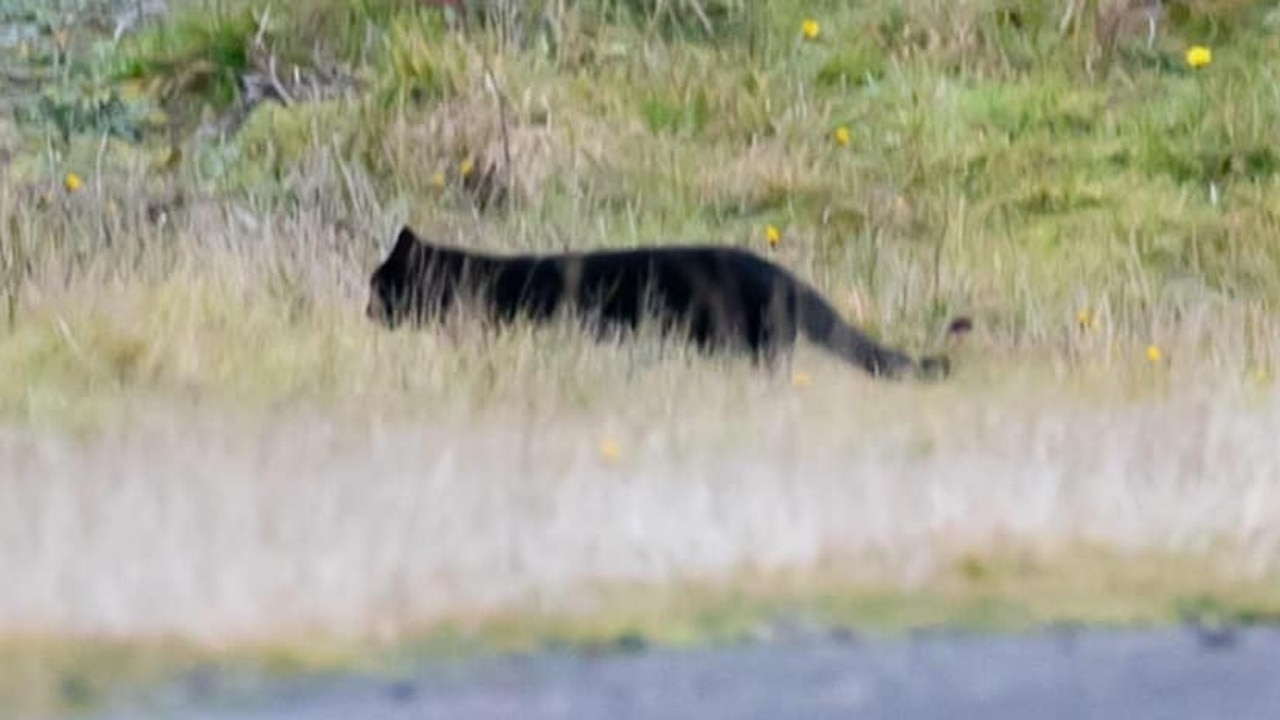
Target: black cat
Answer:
[[722, 298]]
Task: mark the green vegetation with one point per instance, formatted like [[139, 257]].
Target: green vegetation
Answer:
[[1006, 594], [190, 203], [990, 150]]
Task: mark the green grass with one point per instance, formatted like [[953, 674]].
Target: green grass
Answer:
[[998, 166], [1009, 594]]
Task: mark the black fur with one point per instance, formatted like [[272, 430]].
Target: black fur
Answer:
[[722, 297]]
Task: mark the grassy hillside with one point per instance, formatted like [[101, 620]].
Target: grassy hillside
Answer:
[[203, 441], [918, 159]]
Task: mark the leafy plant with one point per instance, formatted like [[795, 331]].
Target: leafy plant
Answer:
[[71, 113]]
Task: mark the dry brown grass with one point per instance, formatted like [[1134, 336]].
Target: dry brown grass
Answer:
[[222, 528], [259, 461]]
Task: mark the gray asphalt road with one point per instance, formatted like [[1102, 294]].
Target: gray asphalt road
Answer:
[[1177, 673]]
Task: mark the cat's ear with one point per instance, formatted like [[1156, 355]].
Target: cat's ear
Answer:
[[406, 240]]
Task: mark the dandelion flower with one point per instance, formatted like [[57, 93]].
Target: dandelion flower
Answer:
[[1153, 354], [465, 167], [801, 380], [810, 29], [772, 234], [437, 179], [72, 182], [1084, 319], [1198, 56], [842, 136], [610, 450], [1262, 375]]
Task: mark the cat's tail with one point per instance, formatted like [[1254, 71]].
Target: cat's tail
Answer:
[[821, 324], [939, 366]]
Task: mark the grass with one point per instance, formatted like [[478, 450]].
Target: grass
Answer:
[[1002, 592], [205, 449]]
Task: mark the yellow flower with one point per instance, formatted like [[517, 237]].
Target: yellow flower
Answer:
[[466, 167], [610, 450], [1084, 319], [801, 380], [437, 179], [1198, 56], [772, 234], [1153, 354], [72, 182], [842, 136], [810, 29], [1262, 375]]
